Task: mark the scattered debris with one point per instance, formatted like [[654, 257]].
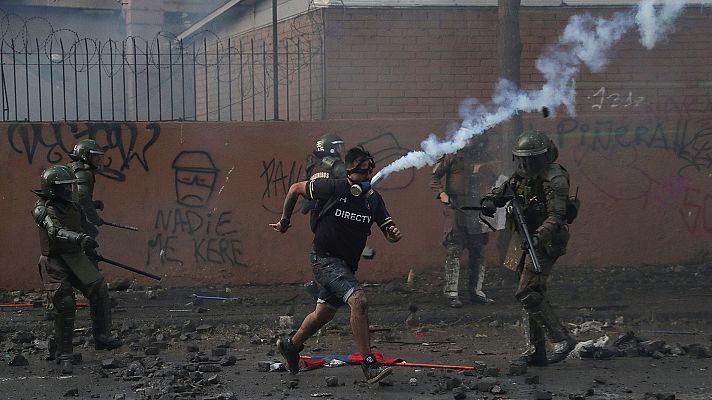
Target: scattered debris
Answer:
[[18, 360], [332, 381], [119, 284]]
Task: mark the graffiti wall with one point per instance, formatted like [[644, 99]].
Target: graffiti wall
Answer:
[[202, 194]]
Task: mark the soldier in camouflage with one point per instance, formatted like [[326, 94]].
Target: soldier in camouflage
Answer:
[[467, 179], [544, 187], [64, 264], [87, 157]]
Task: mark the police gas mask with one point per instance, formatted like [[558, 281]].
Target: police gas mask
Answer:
[[533, 165], [362, 187], [531, 151]]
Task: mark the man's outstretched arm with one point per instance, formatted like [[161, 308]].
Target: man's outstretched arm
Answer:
[[296, 190]]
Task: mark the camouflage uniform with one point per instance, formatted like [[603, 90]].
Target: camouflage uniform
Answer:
[[466, 180], [545, 194], [64, 265]]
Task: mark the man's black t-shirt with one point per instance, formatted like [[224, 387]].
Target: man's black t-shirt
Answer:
[[343, 230]]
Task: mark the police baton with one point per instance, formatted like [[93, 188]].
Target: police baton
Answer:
[[122, 226], [481, 217], [99, 257]]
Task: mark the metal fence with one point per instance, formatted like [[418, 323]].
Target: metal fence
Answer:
[[164, 80]]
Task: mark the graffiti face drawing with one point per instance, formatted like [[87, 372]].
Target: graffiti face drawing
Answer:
[[195, 178]]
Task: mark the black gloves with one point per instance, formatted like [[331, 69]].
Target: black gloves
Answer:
[[88, 243], [536, 242], [99, 205], [488, 208]]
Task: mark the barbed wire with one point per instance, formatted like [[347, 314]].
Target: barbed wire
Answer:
[[66, 46]]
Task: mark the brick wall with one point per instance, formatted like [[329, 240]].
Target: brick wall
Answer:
[[421, 62]]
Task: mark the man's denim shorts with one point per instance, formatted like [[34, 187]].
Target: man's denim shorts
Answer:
[[335, 281]]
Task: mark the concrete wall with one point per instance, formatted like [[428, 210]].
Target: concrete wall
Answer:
[[644, 184]]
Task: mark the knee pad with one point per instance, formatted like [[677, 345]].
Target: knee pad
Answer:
[[98, 290], [64, 301], [530, 299]]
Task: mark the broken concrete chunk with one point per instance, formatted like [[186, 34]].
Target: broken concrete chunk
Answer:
[[332, 381], [459, 393], [263, 366], [517, 368], [209, 368], [119, 284], [218, 352], [110, 363], [18, 360], [542, 395], [486, 384], [228, 361]]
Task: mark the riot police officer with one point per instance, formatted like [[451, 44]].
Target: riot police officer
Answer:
[[543, 187], [323, 162], [64, 264], [87, 157], [467, 179]]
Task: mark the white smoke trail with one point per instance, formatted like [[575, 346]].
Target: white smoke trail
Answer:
[[655, 24], [585, 40]]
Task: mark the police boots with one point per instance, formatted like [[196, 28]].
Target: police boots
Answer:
[[64, 331], [535, 342], [101, 325], [562, 340], [475, 279]]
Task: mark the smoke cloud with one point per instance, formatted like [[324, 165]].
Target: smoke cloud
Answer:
[[586, 40]]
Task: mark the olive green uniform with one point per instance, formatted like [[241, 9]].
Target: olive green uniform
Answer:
[[63, 265], [545, 211], [466, 180], [84, 196]]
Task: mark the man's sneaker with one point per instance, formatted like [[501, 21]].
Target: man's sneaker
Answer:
[[290, 354], [374, 370]]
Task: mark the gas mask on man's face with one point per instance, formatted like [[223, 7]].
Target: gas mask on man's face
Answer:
[[533, 165], [359, 188]]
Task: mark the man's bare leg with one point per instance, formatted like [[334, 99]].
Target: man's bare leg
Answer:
[[321, 315], [372, 369], [359, 321]]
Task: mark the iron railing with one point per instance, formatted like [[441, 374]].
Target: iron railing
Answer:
[[165, 80]]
